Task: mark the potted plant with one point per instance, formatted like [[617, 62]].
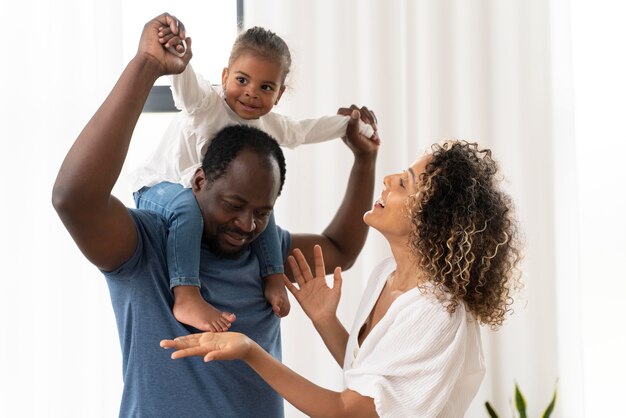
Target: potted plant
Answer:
[[520, 406]]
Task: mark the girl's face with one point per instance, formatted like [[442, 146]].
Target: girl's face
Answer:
[[252, 86], [389, 214]]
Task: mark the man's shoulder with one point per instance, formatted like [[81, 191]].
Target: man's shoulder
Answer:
[[151, 240], [148, 220]]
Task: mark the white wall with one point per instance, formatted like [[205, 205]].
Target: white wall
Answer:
[[598, 33]]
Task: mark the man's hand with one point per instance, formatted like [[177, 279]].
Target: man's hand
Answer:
[[360, 144], [152, 45]]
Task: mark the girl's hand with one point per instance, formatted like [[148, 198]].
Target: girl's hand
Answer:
[[211, 346], [318, 300]]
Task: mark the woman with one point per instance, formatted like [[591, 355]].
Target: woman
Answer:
[[415, 348]]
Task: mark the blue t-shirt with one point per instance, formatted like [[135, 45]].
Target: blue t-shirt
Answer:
[[155, 385]]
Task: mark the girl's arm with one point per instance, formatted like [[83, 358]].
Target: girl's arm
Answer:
[[327, 128], [308, 397], [187, 91]]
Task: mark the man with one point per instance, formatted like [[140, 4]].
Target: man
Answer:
[[129, 245]]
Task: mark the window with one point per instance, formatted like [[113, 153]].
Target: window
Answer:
[[211, 25]]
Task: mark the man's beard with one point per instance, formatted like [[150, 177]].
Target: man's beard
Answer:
[[214, 246]]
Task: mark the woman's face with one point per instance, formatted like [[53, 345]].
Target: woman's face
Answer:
[[389, 214]]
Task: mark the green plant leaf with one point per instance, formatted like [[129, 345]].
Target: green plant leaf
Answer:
[[492, 412], [520, 402], [550, 407]]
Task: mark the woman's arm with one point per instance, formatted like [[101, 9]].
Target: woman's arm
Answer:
[[335, 337], [319, 301], [308, 397]]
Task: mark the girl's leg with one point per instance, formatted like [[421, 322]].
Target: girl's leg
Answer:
[[267, 248], [179, 207], [184, 219]]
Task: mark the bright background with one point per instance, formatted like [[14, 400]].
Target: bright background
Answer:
[[540, 82]]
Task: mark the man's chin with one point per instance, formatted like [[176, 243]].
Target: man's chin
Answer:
[[225, 252]]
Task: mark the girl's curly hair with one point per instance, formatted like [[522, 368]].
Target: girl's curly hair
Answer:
[[464, 232]]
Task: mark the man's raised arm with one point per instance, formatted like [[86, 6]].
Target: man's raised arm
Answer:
[[99, 223], [344, 237]]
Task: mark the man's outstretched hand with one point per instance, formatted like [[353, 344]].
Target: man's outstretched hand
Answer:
[[358, 143]]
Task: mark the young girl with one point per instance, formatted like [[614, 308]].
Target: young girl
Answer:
[[252, 84]]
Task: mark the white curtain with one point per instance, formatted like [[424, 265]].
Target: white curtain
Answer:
[[59, 351], [482, 71], [495, 72]]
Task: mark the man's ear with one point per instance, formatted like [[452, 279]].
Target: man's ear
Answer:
[[280, 94], [198, 180]]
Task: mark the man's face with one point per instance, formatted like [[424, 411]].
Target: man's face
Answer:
[[237, 206]]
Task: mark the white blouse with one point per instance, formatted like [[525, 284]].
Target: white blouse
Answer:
[[418, 361], [204, 113]]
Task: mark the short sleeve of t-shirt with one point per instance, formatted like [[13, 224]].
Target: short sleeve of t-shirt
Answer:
[[151, 238]]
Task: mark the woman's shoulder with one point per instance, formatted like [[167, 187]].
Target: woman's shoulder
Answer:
[[383, 269]]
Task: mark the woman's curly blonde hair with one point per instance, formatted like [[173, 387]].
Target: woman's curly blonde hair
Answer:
[[464, 232]]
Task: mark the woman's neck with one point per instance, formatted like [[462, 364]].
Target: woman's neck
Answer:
[[408, 273]]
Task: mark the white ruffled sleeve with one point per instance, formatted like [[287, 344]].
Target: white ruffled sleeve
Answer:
[[327, 128], [292, 133], [410, 360], [190, 91]]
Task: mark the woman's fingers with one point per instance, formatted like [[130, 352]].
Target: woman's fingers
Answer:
[[290, 286], [295, 269], [320, 269], [305, 270], [186, 346], [181, 342], [337, 279], [189, 352]]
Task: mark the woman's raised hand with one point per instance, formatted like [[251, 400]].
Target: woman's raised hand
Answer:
[[318, 300]]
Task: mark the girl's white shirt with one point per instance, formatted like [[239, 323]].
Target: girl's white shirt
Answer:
[[204, 112]]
